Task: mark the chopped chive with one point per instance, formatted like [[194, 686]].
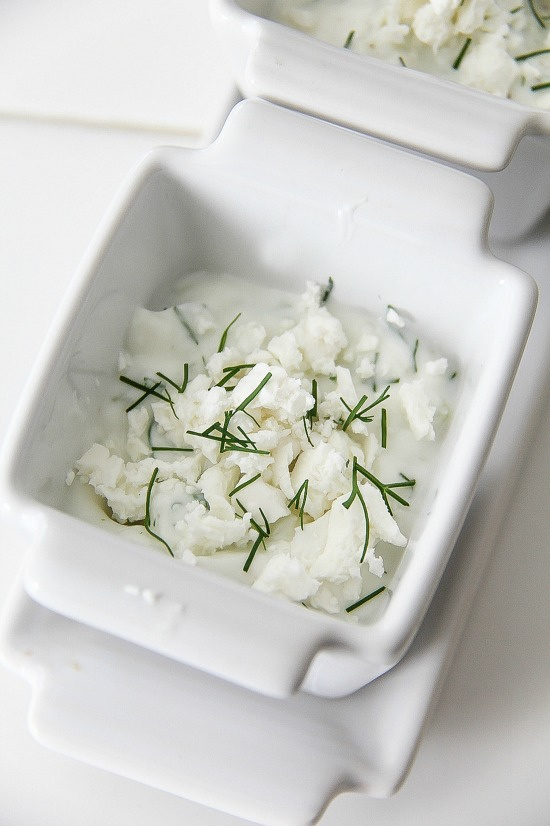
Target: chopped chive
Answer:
[[387, 489], [237, 367], [299, 500], [166, 448], [147, 523], [307, 434], [349, 38], [223, 439], [359, 412], [179, 387], [230, 441], [312, 414], [250, 416], [365, 599], [384, 427], [539, 86], [254, 393], [266, 523], [147, 391], [402, 62], [223, 339], [246, 436], [414, 353], [257, 542], [529, 55], [231, 372], [374, 365], [356, 492], [327, 291], [241, 449], [462, 52], [259, 539], [185, 324], [353, 411], [244, 485]]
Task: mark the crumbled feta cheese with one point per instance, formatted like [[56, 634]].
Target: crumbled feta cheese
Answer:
[[282, 396], [205, 533], [436, 367], [286, 351], [489, 67], [274, 449], [432, 24], [393, 317], [198, 317], [430, 36], [286, 575], [325, 470], [418, 409]]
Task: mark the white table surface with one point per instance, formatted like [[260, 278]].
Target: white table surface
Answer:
[[72, 123]]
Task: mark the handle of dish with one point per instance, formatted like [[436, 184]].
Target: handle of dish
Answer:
[[368, 182], [186, 613]]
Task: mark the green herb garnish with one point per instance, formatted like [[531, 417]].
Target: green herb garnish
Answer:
[[228, 441], [244, 484], [254, 393], [414, 353], [359, 411], [223, 339], [365, 599], [312, 413], [231, 372], [267, 530], [356, 492], [388, 489], [349, 38], [179, 387], [147, 522], [185, 324], [304, 420], [262, 534], [299, 500], [146, 392], [529, 55], [167, 448], [257, 542], [384, 427], [461, 53]]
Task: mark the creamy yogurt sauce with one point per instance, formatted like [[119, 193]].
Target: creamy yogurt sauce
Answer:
[[280, 442], [497, 46]]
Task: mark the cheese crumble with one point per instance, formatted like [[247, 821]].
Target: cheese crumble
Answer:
[[281, 445], [497, 46]]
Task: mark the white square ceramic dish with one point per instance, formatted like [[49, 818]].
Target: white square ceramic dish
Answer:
[[459, 124], [279, 196]]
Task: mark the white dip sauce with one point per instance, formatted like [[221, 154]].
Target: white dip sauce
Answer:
[[280, 445], [498, 46]]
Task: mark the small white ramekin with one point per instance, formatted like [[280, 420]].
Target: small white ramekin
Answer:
[[280, 196]]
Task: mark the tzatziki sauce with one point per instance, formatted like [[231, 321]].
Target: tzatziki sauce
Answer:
[[497, 46], [273, 437]]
